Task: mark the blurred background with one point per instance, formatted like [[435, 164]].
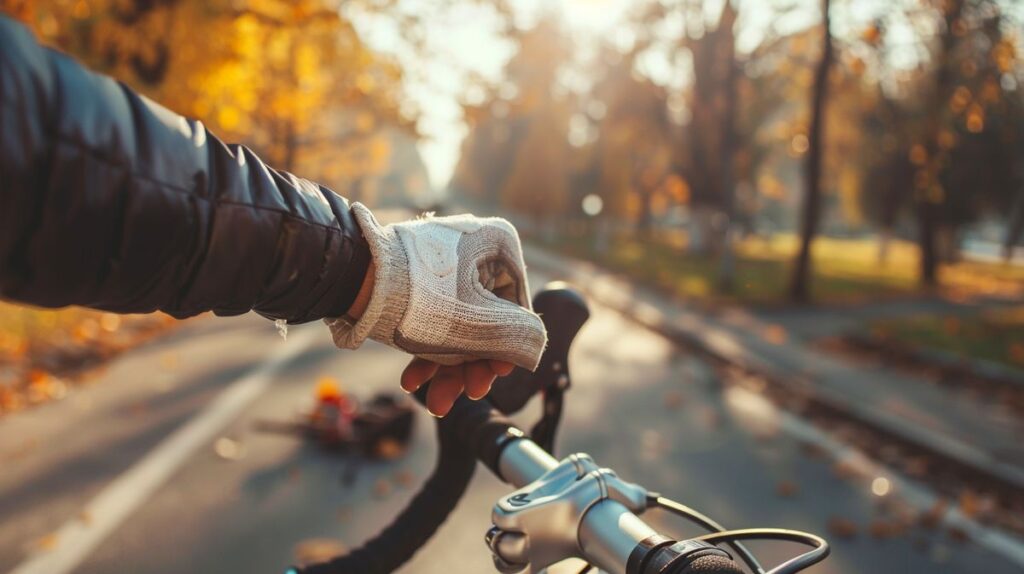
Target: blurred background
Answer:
[[808, 214]]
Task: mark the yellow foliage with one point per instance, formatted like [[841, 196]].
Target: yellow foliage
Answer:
[[678, 189], [281, 76], [1005, 55]]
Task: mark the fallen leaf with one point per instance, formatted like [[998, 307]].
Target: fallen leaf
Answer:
[[916, 466], [842, 527], [139, 408], [404, 478], [317, 550], [381, 488], [882, 529], [958, 535], [48, 542], [673, 400], [969, 503], [787, 489], [934, 515], [775, 334]]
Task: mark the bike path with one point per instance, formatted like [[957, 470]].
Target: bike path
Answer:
[[974, 430], [637, 405]]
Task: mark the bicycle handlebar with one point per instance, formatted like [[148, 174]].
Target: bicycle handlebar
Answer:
[[607, 535], [562, 508]]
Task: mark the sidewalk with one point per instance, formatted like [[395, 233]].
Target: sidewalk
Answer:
[[956, 426]]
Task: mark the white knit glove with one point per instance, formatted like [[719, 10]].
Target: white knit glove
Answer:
[[447, 289]]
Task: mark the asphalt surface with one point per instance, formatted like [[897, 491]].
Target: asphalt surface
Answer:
[[638, 405], [976, 430]]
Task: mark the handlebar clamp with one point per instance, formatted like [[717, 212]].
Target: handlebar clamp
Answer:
[[537, 525]]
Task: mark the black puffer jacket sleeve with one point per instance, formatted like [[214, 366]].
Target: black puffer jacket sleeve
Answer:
[[111, 201]]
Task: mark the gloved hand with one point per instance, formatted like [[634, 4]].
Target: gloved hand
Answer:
[[447, 289]]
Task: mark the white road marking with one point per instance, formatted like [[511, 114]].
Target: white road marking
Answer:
[[79, 536]]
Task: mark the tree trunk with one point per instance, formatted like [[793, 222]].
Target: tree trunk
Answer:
[[949, 244], [811, 213], [927, 204], [726, 260], [645, 221], [1015, 227], [884, 243], [929, 261]]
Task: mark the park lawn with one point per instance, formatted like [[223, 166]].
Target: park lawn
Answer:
[[994, 335], [843, 271]]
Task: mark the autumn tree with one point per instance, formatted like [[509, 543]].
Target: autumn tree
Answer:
[[486, 158], [517, 152], [889, 126], [930, 194], [633, 151], [704, 158], [291, 79], [716, 149], [945, 140], [538, 181]]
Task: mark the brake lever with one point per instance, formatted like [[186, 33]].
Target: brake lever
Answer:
[[563, 311]]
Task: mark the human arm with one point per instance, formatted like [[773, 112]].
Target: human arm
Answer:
[[110, 201]]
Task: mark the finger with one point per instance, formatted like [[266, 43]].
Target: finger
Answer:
[[444, 389], [479, 377], [417, 372], [501, 368]]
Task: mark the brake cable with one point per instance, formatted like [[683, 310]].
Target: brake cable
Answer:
[[701, 519], [720, 535], [819, 552]]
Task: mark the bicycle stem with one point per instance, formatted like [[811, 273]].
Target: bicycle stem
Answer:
[[563, 509]]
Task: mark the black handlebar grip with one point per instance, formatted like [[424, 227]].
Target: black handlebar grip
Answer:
[[662, 556], [710, 564]]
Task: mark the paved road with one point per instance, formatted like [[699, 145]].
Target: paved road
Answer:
[[976, 430], [638, 406]]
